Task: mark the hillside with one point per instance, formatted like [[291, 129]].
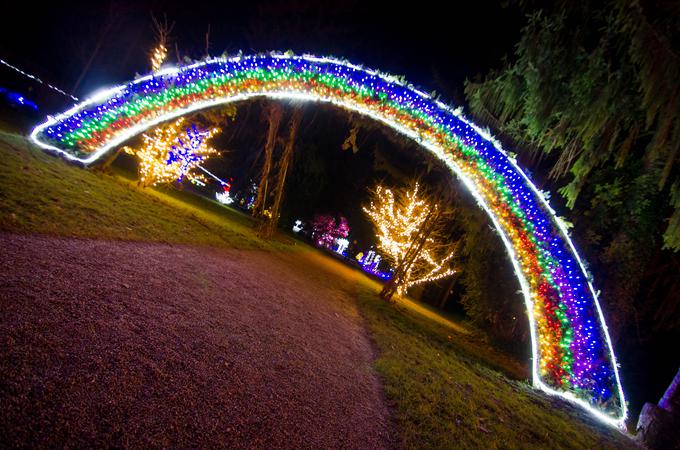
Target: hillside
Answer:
[[418, 376]]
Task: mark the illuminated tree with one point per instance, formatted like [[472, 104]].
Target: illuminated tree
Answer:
[[411, 234], [170, 152], [326, 230], [160, 52]]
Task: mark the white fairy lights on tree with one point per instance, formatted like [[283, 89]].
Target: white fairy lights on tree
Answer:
[[342, 244], [408, 228]]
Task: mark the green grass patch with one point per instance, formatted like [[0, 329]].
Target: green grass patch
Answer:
[[40, 193], [452, 390]]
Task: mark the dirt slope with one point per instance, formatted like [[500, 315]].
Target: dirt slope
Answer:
[[137, 344]]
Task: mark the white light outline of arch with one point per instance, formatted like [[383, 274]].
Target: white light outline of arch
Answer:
[[434, 149]]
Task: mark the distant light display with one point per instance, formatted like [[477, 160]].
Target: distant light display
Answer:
[[572, 351], [224, 198], [371, 263], [342, 245], [326, 230], [17, 99]]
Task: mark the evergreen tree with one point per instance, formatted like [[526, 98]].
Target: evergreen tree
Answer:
[[592, 99]]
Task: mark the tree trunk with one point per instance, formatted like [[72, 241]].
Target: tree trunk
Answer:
[[658, 424], [103, 165], [274, 118], [399, 277], [284, 164]]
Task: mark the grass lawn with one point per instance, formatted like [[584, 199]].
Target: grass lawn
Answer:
[[449, 388], [453, 390], [40, 193], [446, 386]]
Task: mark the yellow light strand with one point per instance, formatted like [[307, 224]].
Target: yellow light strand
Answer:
[[158, 56]]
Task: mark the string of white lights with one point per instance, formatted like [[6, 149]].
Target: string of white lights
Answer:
[[34, 78], [211, 174]]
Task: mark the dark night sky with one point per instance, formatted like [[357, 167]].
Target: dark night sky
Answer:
[[433, 47]]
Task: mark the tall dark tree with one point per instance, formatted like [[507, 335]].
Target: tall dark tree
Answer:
[[283, 167], [273, 114], [591, 99]]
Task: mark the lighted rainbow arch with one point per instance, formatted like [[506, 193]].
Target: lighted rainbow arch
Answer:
[[572, 351]]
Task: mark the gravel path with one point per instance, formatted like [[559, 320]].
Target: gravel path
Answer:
[[151, 345]]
